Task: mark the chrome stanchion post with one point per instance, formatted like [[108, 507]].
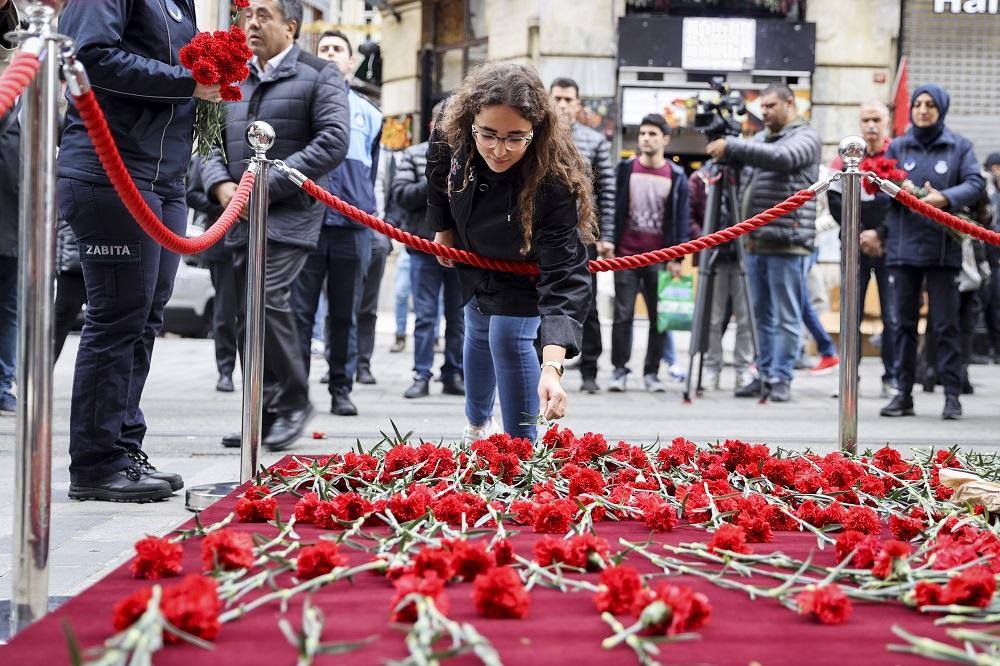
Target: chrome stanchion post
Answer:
[[852, 150], [260, 137], [36, 252]]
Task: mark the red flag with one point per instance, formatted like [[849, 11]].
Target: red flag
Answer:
[[901, 100]]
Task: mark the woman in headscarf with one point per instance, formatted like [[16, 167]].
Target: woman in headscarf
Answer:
[[919, 249]]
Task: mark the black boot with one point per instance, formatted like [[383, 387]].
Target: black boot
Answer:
[[900, 405], [341, 404], [141, 460], [952, 408], [453, 385], [128, 485], [418, 389], [225, 383]]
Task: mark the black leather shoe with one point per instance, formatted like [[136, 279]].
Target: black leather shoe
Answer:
[[453, 386], [232, 440], [341, 404], [225, 383], [141, 460], [365, 376], [900, 405], [952, 408], [128, 485], [287, 428], [781, 391], [589, 385], [751, 390], [418, 389]]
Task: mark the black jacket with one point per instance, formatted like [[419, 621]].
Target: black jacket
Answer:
[[675, 214], [484, 216], [130, 49], [779, 164], [305, 101], [408, 192], [950, 165], [67, 250], [207, 210], [595, 149], [10, 167]]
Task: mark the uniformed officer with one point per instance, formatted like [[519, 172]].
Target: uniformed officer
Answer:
[[130, 49], [918, 249]]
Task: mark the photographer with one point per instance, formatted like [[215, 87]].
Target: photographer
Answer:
[[780, 161]]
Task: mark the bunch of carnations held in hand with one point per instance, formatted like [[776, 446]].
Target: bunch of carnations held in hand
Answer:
[[216, 59], [883, 167]]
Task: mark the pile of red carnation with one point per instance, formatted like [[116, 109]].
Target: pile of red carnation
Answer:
[[219, 59]]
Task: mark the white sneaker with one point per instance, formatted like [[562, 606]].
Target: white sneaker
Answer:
[[317, 348], [617, 382], [710, 379], [678, 373], [653, 384], [474, 433]]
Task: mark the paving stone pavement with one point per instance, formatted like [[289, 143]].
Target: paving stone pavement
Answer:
[[187, 417]]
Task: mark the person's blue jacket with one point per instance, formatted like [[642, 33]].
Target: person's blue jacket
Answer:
[[949, 164], [354, 179], [130, 50]]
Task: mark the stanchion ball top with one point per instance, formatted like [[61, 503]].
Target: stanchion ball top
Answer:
[[260, 136], [852, 148]]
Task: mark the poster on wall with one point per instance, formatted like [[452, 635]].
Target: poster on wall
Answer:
[[599, 114], [397, 131]]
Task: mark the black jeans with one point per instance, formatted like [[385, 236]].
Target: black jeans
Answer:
[[368, 312], [129, 279], [224, 307], [286, 385], [876, 266], [628, 284], [71, 294], [942, 292], [341, 260], [591, 347]]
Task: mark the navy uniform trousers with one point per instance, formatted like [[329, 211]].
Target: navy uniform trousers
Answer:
[[129, 280]]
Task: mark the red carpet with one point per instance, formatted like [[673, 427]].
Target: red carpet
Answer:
[[561, 628]]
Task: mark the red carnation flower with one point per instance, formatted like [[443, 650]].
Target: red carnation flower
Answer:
[[192, 605], [672, 609], [620, 585], [587, 551], [319, 559], [586, 481], [431, 587], [256, 510], [865, 546], [436, 561], [927, 594], [499, 593], [862, 519], [729, 537], [231, 93], [305, 508], [469, 560], [886, 562], [412, 506], [548, 550], [828, 603], [241, 4], [155, 557], [905, 528], [658, 515], [554, 517], [973, 587], [227, 549], [503, 552]]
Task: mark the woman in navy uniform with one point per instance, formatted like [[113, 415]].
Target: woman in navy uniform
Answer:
[[130, 50]]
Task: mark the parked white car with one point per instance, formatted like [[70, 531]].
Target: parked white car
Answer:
[[189, 310]]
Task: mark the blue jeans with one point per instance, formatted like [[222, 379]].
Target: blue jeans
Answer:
[[8, 322], [824, 344], [402, 289], [431, 281], [776, 287], [669, 353], [500, 357]]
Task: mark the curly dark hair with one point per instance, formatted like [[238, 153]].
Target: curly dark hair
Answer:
[[550, 155]]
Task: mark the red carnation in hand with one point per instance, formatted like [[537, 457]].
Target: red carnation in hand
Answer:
[[729, 537], [887, 564], [231, 93], [241, 4], [499, 593], [973, 587], [192, 605], [620, 586], [227, 549], [319, 559], [155, 557], [828, 603], [430, 586], [554, 517]]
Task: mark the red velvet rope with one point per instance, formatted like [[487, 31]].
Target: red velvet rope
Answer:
[[527, 268], [16, 77], [104, 146], [947, 219]]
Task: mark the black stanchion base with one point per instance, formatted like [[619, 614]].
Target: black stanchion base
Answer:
[[199, 498]]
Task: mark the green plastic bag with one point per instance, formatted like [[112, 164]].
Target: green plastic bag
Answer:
[[674, 303]]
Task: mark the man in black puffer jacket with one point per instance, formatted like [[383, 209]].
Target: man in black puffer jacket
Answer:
[[779, 161], [10, 140], [305, 100]]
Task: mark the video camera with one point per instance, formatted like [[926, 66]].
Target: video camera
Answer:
[[715, 119]]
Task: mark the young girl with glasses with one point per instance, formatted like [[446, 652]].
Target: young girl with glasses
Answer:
[[506, 181]]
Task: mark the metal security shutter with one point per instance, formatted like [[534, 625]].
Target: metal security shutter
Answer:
[[957, 51]]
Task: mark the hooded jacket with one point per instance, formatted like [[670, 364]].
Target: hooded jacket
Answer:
[[946, 160], [675, 214], [305, 100], [483, 214], [130, 49]]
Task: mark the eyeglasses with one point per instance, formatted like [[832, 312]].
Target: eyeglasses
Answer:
[[514, 144]]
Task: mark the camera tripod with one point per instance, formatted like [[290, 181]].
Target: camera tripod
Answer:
[[723, 180]]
